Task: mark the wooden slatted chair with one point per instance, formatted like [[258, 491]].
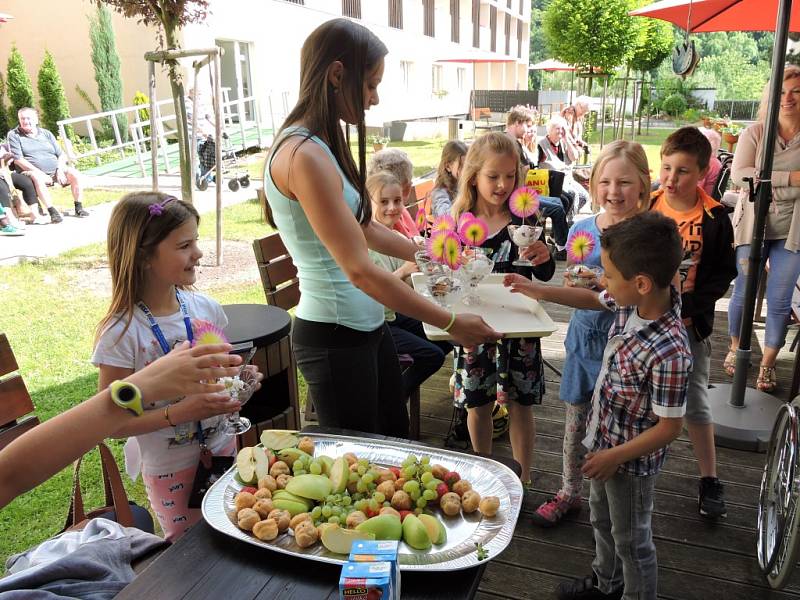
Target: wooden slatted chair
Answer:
[[282, 289], [15, 402]]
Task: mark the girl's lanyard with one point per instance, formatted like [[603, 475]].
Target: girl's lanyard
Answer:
[[162, 341]]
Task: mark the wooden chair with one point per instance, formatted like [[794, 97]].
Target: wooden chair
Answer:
[[15, 402], [282, 289]]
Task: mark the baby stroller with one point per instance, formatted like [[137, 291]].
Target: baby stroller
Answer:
[[206, 153]]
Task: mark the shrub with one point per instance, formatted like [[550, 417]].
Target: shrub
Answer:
[[3, 111], [691, 115], [52, 100], [18, 86], [674, 105], [140, 99]]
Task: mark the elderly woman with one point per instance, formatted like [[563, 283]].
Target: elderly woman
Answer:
[[782, 235], [553, 155], [573, 150]]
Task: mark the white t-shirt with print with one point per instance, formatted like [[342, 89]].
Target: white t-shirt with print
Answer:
[[172, 448]]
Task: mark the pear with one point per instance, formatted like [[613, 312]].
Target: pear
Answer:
[[340, 474], [294, 508], [287, 495], [415, 533], [339, 540], [436, 530], [315, 487], [251, 464], [278, 439], [385, 527]]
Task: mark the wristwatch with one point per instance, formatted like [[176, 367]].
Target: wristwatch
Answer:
[[126, 395]]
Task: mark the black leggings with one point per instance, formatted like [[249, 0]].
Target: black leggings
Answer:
[[353, 377], [24, 184]]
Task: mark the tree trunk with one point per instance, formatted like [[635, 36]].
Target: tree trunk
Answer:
[[621, 121], [179, 103]]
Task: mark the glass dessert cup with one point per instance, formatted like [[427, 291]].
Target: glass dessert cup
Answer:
[[241, 388], [474, 270], [585, 276], [442, 283], [523, 236]]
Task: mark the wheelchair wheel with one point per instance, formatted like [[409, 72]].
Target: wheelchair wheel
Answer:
[[233, 185], [245, 181], [778, 519], [202, 183]]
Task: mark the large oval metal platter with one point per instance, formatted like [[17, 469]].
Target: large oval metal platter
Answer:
[[488, 478]]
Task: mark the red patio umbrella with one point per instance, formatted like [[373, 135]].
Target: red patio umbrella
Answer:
[[702, 16]]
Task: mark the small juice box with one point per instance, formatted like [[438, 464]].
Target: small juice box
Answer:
[[376, 551], [366, 581]]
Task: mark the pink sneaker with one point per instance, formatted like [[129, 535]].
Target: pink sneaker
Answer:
[[550, 513]]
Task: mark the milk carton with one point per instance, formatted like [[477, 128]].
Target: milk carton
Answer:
[[366, 581], [376, 551]]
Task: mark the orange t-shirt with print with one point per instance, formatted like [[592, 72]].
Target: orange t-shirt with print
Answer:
[[690, 226]]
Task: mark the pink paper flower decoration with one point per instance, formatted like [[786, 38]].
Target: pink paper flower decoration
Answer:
[[422, 221], [473, 232], [464, 217], [207, 333], [444, 223], [580, 246], [444, 247], [524, 202]]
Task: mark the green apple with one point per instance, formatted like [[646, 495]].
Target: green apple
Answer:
[[339, 540], [287, 495], [415, 534], [316, 487], [385, 527], [289, 455], [436, 530], [327, 464], [250, 463], [278, 439], [340, 474], [294, 508]]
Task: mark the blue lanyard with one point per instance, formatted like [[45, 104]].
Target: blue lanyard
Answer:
[[159, 335]]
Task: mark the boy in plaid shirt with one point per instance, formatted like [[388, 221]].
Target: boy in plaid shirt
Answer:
[[639, 399]]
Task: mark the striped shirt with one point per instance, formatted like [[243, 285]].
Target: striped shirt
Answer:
[[645, 377]]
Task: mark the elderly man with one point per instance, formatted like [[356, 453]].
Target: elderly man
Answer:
[[553, 155], [38, 155]]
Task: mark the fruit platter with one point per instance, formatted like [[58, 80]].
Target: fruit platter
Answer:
[[313, 496]]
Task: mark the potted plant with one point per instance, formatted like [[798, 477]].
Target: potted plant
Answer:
[[708, 118], [731, 133], [378, 142], [721, 123]]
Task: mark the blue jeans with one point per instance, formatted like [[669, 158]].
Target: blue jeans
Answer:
[[621, 513], [784, 269], [553, 209]]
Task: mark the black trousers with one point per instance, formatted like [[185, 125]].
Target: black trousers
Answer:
[[409, 338], [24, 184], [353, 377]]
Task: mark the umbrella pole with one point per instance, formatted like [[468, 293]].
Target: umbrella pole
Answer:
[[740, 424]]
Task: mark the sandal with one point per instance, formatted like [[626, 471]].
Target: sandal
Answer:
[[766, 381], [729, 364]]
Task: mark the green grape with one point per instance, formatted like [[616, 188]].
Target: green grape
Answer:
[[329, 499], [422, 503], [411, 486], [427, 469], [387, 503], [353, 476], [361, 505], [327, 511], [378, 497], [418, 511], [337, 498], [409, 472], [347, 500], [373, 505], [361, 486], [429, 494], [300, 472], [410, 460], [426, 477], [363, 462], [368, 478], [415, 495], [333, 519], [431, 485], [316, 512], [357, 496], [362, 469], [315, 468], [425, 459], [337, 510]]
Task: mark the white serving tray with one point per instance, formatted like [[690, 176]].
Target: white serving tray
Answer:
[[514, 315]]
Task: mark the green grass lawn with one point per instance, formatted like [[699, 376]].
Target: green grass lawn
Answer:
[[62, 197], [51, 332]]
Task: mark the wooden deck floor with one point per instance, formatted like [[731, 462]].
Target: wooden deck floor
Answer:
[[698, 560]]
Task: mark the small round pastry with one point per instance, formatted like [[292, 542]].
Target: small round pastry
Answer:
[[244, 500], [305, 534], [461, 486], [355, 518], [266, 530], [450, 504], [263, 494], [470, 501], [264, 507], [247, 518], [489, 506], [297, 519], [282, 518], [279, 468], [306, 444], [282, 480], [268, 482]]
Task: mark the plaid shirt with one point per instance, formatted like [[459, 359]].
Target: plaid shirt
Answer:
[[647, 378]]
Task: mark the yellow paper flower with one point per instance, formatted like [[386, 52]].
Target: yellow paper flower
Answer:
[[444, 223]]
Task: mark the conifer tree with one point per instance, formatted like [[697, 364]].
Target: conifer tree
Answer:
[[52, 100], [3, 111], [107, 68], [18, 86]]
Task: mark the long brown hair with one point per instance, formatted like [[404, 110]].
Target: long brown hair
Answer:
[[133, 235], [452, 151], [359, 50], [493, 143]]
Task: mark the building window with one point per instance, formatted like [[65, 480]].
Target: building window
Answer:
[[521, 10], [300, 2], [519, 38], [476, 23], [396, 14], [455, 21], [437, 78], [508, 4], [351, 8], [461, 75], [508, 33], [406, 68], [428, 24], [493, 27]]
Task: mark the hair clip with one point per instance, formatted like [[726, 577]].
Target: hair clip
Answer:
[[156, 209]]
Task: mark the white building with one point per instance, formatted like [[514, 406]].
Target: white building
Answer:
[[262, 41]]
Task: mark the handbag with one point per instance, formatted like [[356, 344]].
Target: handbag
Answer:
[[118, 508]]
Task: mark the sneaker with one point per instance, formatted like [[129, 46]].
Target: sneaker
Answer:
[[550, 513], [80, 211], [40, 221], [711, 499], [585, 588], [55, 216], [10, 230]]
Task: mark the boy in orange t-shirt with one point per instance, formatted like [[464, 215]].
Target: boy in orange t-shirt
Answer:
[[707, 270]]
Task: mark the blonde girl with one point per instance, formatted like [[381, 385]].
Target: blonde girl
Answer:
[[508, 371], [446, 184], [153, 256], [620, 185]]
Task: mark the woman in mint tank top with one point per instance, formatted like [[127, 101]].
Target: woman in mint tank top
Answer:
[[316, 198]]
